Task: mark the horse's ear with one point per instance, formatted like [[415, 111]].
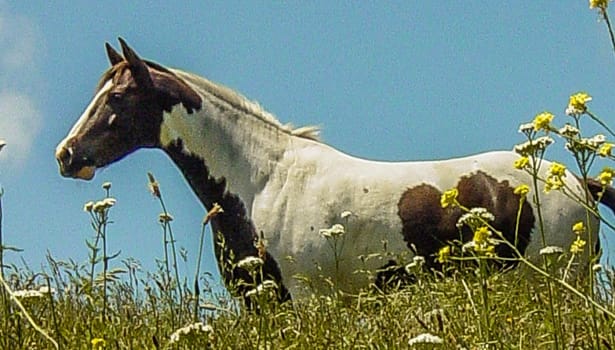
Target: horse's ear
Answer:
[[137, 66], [114, 56]]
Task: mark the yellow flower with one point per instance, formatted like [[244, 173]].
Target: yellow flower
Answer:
[[605, 150], [443, 254], [98, 343], [481, 235], [553, 183], [602, 4], [543, 121], [521, 163], [557, 170], [606, 176], [578, 228], [577, 103], [522, 190], [449, 198], [577, 246]]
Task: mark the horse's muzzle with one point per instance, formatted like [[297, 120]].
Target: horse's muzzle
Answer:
[[68, 168]]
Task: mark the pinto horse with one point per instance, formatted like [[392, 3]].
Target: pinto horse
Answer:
[[282, 185]]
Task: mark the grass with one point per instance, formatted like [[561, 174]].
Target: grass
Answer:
[[447, 307]]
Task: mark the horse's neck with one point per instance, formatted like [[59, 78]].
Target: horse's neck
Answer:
[[232, 143]]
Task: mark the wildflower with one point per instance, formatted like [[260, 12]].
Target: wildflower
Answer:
[[597, 268], [88, 206], [98, 207], [577, 246], [98, 343], [345, 214], [449, 198], [250, 263], [267, 287], [551, 250], [334, 231], [592, 144], [109, 202], [194, 329], [425, 338], [553, 183], [526, 128], [578, 228], [596, 141], [542, 121], [601, 4], [569, 131], [27, 294], [164, 218], [153, 185], [106, 186], [521, 163], [417, 262], [444, 254], [533, 146], [577, 104], [481, 235], [605, 150], [522, 190], [554, 180], [606, 176], [476, 217], [557, 170]]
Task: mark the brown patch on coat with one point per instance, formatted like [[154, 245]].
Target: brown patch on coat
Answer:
[[236, 237], [427, 227]]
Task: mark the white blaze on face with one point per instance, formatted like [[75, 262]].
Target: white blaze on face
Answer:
[[86, 114]]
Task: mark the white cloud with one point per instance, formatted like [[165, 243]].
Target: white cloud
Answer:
[[20, 123], [20, 119]]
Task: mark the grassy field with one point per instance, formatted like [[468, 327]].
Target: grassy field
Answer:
[[513, 310]]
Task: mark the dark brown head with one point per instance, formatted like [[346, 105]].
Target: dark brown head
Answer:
[[125, 114]]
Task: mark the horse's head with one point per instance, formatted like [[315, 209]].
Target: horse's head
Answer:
[[125, 114]]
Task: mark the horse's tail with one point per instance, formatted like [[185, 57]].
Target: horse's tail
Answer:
[[604, 194]]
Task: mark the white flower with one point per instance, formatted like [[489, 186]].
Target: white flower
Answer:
[[193, 328], [596, 140], [334, 231], [476, 217], [597, 268], [530, 147], [109, 202], [24, 294], [569, 131], [345, 214], [425, 338], [268, 286], [551, 250], [88, 206], [525, 128], [250, 263], [103, 205], [417, 262], [46, 290]]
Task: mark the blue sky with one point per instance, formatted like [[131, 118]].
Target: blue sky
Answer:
[[404, 80]]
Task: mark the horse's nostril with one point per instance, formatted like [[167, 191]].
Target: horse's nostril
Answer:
[[64, 155]]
